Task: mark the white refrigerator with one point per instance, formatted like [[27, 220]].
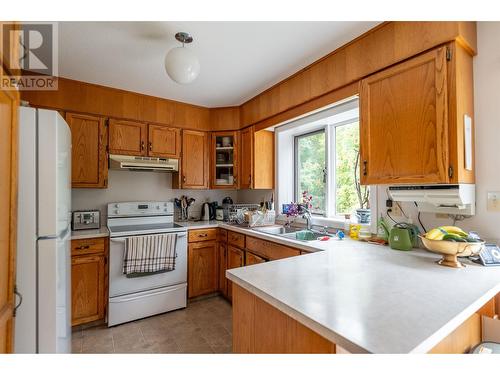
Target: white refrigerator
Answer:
[[43, 279]]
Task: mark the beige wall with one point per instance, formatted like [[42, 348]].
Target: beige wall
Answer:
[[137, 186]]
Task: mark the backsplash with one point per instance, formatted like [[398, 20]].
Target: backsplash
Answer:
[[142, 186]]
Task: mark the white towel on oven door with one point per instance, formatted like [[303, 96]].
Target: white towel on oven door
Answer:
[[146, 255]]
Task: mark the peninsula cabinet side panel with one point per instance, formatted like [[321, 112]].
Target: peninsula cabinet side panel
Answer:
[[260, 328]]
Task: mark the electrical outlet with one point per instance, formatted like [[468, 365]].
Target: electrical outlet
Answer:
[[442, 216], [396, 211], [493, 201]]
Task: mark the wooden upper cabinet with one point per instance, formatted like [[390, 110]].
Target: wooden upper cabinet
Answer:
[[246, 158], [224, 162], [127, 137], [89, 166], [404, 122], [164, 141], [257, 159], [194, 163]]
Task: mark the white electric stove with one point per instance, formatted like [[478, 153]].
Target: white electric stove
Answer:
[[139, 297]]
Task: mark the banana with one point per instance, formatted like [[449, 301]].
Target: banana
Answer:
[[454, 230], [436, 234]]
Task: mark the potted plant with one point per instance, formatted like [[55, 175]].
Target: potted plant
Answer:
[[363, 213]]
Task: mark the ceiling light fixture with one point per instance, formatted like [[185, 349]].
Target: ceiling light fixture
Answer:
[[181, 64]]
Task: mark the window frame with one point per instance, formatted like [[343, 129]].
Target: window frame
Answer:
[[330, 165], [296, 139]]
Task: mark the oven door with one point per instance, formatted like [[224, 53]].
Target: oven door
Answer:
[[120, 285]]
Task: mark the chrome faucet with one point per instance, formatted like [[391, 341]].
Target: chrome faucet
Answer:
[[306, 214]]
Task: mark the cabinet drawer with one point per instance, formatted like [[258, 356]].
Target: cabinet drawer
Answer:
[[203, 235], [222, 235], [88, 246], [270, 250], [236, 239]]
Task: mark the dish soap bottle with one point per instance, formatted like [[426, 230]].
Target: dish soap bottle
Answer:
[[382, 229]]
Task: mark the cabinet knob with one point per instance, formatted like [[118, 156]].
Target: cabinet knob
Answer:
[[142, 146], [183, 178], [235, 180], [150, 146], [364, 167]]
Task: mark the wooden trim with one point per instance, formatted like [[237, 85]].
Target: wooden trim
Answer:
[[377, 49], [225, 118], [89, 98], [309, 106], [8, 236]]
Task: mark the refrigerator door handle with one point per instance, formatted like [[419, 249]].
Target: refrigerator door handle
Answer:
[[20, 296]]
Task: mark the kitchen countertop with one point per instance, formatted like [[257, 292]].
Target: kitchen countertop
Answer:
[[370, 298], [202, 224], [89, 233]]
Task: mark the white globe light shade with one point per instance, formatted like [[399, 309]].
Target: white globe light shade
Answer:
[[182, 65]]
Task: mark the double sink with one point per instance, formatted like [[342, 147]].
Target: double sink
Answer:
[[293, 233]]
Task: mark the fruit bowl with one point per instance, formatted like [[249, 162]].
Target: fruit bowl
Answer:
[[451, 250]]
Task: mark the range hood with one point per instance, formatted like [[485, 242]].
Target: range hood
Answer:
[[143, 163], [457, 199]]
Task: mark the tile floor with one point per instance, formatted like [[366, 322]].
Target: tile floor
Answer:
[[205, 326]]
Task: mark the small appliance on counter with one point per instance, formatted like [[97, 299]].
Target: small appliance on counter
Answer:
[[403, 236], [219, 213], [226, 203], [208, 211], [85, 219]]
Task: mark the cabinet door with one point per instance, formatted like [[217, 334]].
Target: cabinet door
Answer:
[[246, 158], [404, 124], [164, 141], [222, 247], [194, 160], [202, 268], [87, 289], [235, 259], [224, 160], [89, 165], [127, 137], [251, 258]]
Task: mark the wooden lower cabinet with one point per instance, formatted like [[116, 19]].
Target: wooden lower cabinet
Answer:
[[251, 258], [222, 249], [202, 268], [88, 289], [260, 328], [235, 259], [89, 275], [270, 250]]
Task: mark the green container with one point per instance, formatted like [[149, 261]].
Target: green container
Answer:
[[401, 237]]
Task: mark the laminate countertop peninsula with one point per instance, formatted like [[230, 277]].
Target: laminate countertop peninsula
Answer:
[[369, 298]]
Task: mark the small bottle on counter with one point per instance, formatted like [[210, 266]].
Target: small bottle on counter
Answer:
[[347, 223]]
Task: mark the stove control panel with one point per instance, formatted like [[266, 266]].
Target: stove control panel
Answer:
[[126, 209]]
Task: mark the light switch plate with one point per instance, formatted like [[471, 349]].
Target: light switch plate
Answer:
[[493, 201]]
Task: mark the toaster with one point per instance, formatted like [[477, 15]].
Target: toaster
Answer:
[[86, 219]]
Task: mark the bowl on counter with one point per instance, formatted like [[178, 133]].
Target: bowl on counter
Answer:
[[452, 250]]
